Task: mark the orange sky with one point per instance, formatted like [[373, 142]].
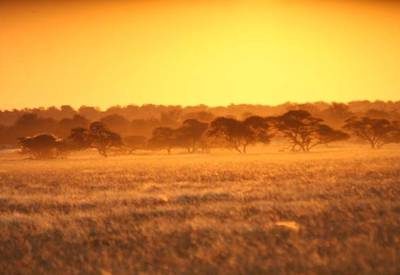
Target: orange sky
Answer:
[[192, 52]]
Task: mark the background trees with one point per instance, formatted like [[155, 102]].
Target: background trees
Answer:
[[258, 130], [135, 142], [117, 123], [336, 114], [303, 131], [97, 136], [191, 134], [188, 136], [31, 124], [230, 130], [102, 138], [79, 139], [201, 127], [40, 146], [240, 134], [377, 132], [65, 125]]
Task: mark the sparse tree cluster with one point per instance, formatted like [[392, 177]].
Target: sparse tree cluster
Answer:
[[240, 134], [304, 132], [377, 132], [41, 146], [299, 128], [189, 136], [46, 132], [49, 146]]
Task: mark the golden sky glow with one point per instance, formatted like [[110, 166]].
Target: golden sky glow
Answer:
[[192, 52]]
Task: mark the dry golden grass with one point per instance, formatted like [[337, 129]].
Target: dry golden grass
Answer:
[[334, 211]]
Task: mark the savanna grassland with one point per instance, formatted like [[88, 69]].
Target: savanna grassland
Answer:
[[333, 211]]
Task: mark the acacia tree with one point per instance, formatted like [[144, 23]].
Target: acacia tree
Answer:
[[230, 130], [257, 130], [304, 131], [325, 134], [240, 134], [191, 133], [97, 136], [40, 146], [377, 132], [102, 139]]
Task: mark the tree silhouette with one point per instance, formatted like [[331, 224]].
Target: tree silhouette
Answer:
[[40, 146], [102, 139], [377, 132], [97, 136], [191, 133], [79, 139], [304, 131], [240, 134], [257, 129], [229, 129], [325, 134], [135, 120]]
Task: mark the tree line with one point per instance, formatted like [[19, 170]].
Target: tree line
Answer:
[[299, 128], [136, 121], [141, 120]]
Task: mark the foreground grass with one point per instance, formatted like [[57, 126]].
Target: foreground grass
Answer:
[[332, 212]]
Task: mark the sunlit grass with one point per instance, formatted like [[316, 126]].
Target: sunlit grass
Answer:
[[331, 211]]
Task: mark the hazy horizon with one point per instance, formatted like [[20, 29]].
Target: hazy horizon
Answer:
[[105, 107]]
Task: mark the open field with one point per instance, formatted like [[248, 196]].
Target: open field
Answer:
[[335, 211]]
